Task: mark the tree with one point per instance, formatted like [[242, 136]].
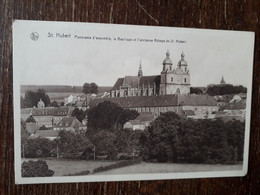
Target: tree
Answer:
[[73, 145], [79, 114], [54, 104], [106, 115], [36, 169], [195, 90], [38, 147], [171, 138], [104, 141], [90, 88], [31, 98], [225, 89]]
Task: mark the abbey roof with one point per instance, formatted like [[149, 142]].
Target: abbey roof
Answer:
[[159, 101]]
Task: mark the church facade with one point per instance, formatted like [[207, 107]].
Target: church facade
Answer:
[[170, 81]]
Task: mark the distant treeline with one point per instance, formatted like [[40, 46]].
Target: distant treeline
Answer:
[[59, 88], [225, 89]]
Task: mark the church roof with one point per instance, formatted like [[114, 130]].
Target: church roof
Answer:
[[150, 80], [182, 62], [118, 83], [159, 101], [167, 60], [132, 81], [135, 81]]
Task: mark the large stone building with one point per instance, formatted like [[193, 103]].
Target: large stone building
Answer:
[[203, 106], [48, 116], [169, 91], [170, 81]]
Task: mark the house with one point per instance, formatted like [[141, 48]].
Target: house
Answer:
[[70, 124], [237, 108], [71, 99], [234, 110], [31, 125], [47, 116], [134, 125]]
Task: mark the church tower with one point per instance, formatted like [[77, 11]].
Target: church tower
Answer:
[[140, 71], [175, 81], [222, 82]]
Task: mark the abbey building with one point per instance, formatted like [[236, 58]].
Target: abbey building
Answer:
[[169, 91], [172, 80]]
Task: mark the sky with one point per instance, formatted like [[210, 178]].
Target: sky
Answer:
[[53, 60]]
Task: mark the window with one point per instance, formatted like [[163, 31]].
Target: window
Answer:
[[171, 79], [185, 80]]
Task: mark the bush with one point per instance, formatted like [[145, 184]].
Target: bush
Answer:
[[117, 165], [36, 169], [79, 173], [39, 147]]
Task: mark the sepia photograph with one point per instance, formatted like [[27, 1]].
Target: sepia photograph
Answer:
[[106, 102]]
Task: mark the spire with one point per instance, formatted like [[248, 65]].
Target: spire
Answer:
[[140, 72], [182, 56], [167, 54], [222, 81]]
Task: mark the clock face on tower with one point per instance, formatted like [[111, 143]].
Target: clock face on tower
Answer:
[[178, 78]]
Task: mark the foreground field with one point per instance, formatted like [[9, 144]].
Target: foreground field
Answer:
[[65, 167], [169, 168]]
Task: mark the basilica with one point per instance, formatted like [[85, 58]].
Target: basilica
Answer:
[[169, 91], [172, 80]]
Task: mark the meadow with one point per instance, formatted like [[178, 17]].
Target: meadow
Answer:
[[64, 167]]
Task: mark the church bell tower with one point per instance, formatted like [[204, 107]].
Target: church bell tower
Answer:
[[175, 81]]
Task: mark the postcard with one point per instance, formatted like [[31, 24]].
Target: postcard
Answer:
[[109, 102]]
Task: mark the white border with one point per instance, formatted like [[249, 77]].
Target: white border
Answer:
[[125, 177]]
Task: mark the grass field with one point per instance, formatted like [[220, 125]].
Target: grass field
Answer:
[[169, 168], [65, 167]]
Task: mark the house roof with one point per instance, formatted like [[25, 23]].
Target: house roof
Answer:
[[196, 100], [159, 101], [30, 119], [145, 116], [135, 122], [238, 105], [47, 133], [69, 122], [60, 111], [26, 110]]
